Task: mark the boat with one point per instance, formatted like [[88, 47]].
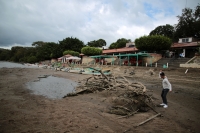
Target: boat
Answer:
[[75, 70], [94, 72], [65, 69]]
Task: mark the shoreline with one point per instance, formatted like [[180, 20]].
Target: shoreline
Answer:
[[22, 111]]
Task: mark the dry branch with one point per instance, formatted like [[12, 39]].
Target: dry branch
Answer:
[[148, 119]]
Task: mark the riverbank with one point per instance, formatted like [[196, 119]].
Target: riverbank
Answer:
[[22, 111]]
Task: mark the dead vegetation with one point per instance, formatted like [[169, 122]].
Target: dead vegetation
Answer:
[[127, 98]]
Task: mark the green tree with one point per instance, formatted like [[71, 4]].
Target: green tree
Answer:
[[188, 23], [73, 53], [5, 54], [38, 43], [120, 43], [17, 52], [98, 43], [91, 51], [47, 51], [32, 59], [164, 30], [113, 45], [71, 43], [153, 43]]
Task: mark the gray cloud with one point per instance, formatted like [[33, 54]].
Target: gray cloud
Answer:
[[23, 22]]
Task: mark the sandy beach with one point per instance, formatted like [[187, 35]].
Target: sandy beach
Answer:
[[24, 112]]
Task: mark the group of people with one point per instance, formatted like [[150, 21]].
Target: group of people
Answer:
[[167, 87]]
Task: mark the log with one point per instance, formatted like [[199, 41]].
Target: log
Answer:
[[144, 88], [129, 114], [121, 107], [151, 107], [125, 79], [148, 119], [88, 79], [101, 73]]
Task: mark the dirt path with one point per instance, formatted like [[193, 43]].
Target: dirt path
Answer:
[[24, 112]]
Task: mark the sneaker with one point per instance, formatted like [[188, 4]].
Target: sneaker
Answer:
[[165, 106], [162, 104]]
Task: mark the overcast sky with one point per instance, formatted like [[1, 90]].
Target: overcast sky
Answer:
[[23, 22]]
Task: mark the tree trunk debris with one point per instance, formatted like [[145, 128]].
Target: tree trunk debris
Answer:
[[127, 97]]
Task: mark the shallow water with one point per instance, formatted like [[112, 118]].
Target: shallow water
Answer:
[[52, 87], [14, 65]]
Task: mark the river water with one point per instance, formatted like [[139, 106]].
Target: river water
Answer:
[[14, 65], [50, 87]]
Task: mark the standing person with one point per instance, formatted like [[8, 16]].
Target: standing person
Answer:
[[166, 88], [160, 73]]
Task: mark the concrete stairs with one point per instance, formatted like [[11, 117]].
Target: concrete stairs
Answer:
[[172, 62]]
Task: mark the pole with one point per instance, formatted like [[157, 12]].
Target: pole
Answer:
[[128, 60]]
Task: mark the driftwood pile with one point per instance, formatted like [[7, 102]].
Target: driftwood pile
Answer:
[[127, 98]]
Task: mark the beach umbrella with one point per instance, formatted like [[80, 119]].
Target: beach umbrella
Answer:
[[73, 58], [67, 55]]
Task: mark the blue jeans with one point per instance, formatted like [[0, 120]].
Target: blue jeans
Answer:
[[164, 95]]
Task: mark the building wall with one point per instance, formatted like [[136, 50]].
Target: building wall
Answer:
[[53, 60], [155, 57], [192, 65], [87, 59]]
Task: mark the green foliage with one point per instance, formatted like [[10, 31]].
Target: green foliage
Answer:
[[32, 59], [17, 53], [113, 45], [164, 30], [47, 51], [188, 23], [120, 43], [71, 43], [98, 43], [73, 53], [5, 54], [153, 43], [38, 43], [91, 51]]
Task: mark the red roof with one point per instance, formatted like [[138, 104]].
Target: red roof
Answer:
[[120, 50], [180, 45]]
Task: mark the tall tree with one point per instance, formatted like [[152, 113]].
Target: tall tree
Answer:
[[113, 45], [164, 30], [71, 43], [47, 51], [188, 23], [17, 52], [120, 43], [38, 43], [98, 43], [5, 54]]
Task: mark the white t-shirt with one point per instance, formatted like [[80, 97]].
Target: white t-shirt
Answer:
[[166, 84]]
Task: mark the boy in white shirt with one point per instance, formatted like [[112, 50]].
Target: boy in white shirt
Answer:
[[166, 88]]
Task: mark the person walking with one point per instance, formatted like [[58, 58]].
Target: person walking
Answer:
[[167, 87]]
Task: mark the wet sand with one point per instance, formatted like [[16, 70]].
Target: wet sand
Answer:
[[22, 111]]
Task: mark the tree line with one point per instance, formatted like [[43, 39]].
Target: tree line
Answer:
[[158, 39]]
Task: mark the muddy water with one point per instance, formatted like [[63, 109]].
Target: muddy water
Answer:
[[52, 87]]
